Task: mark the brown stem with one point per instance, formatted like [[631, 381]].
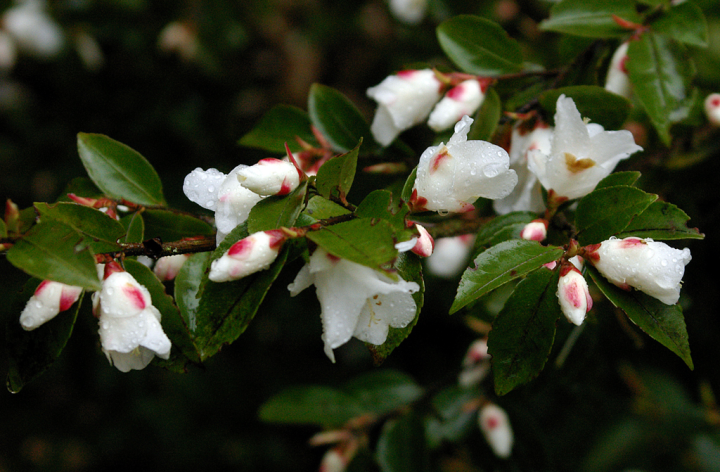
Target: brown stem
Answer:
[[155, 248]]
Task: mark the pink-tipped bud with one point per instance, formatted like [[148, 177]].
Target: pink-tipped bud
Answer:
[[389, 168], [573, 294], [617, 80], [12, 215], [84, 201], [338, 458], [712, 108], [495, 426], [425, 243], [463, 99], [536, 230], [247, 256], [476, 364], [49, 299], [111, 268], [167, 268], [270, 177]]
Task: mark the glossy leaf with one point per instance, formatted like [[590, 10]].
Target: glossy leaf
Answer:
[[282, 124], [335, 177], [338, 119], [402, 446], [30, 353], [590, 18], [119, 171], [487, 117], [664, 323], [171, 226], [605, 212], [275, 212], [134, 228], [100, 232], [524, 331], [501, 264], [380, 204], [311, 405], [319, 208], [684, 22], [501, 229], [662, 221], [52, 250], [409, 184], [661, 75], [619, 178], [479, 46], [605, 108], [381, 391], [187, 284]]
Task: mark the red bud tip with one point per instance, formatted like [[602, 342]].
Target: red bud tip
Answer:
[[111, 268]]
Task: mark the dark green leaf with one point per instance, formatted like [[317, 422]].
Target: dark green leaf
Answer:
[[335, 177], [501, 229], [312, 405], [664, 323], [605, 212], [479, 46], [187, 283], [319, 208], [82, 187], [500, 264], [275, 211], [663, 221], [524, 331], [619, 178], [170, 226], [684, 22], [100, 232], [337, 119], [590, 18], [119, 171], [408, 187], [661, 74], [3, 229], [382, 391], [379, 204], [54, 251], [30, 353], [279, 126], [457, 420], [605, 108], [487, 117], [402, 446], [134, 228]]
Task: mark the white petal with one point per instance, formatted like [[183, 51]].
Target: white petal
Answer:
[[202, 187]]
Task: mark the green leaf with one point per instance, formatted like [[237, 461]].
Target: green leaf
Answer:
[[187, 284], [501, 229], [605, 108], [3, 229], [605, 212], [661, 75], [381, 391], [619, 178], [366, 241], [337, 119], [402, 446], [409, 268], [523, 332], [134, 228], [119, 171], [409, 184], [275, 211], [100, 232], [279, 126], [487, 117], [663, 221], [590, 18], [479, 46], [171, 226], [319, 208], [183, 350], [379, 204], [457, 420], [684, 22], [335, 177], [312, 405], [501, 264], [54, 251], [664, 323], [30, 353]]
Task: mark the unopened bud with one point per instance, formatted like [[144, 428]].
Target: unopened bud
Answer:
[[463, 99], [49, 299], [476, 364], [495, 426], [425, 243], [617, 80], [167, 268], [712, 108], [573, 294], [270, 177], [12, 215], [247, 256], [387, 168], [536, 230]]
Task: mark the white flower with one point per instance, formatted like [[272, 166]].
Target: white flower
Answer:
[[167, 268], [536, 230], [712, 108], [580, 155], [49, 299], [222, 193], [450, 256], [33, 29], [404, 100], [355, 300], [450, 178], [247, 256], [527, 194], [463, 99], [649, 266], [495, 426], [617, 80], [411, 12], [573, 294], [130, 330], [270, 177]]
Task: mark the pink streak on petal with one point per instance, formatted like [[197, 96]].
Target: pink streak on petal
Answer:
[[456, 93], [135, 296], [240, 249]]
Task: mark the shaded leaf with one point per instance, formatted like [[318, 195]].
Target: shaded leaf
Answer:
[[486, 118], [3, 229], [605, 108], [100, 232], [379, 204], [278, 126], [338, 119], [456, 420], [313, 405], [187, 284], [619, 178], [402, 446], [501, 229], [381, 391], [277, 211], [134, 228], [172, 226], [335, 177], [409, 184], [663, 221], [684, 22], [590, 18]]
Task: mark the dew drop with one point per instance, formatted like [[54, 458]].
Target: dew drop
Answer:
[[110, 290], [211, 189], [38, 304], [663, 262]]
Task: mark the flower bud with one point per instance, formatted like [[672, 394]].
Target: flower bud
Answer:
[[495, 426], [167, 268], [425, 243], [536, 230], [33, 29], [463, 99], [617, 80], [573, 294], [179, 38], [49, 299], [476, 364], [247, 256], [411, 12], [449, 256], [649, 266], [270, 177], [712, 108]]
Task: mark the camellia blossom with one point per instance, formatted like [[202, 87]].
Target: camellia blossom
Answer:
[[536, 230], [463, 99], [617, 80], [404, 100], [355, 300], [495, 426], [649, 266], [49, 299], [712, 108], [130, 330], [247, 256], [451, 177], [270, 177], [213, 190], [167, 268], [580, 155], [573, 294]]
